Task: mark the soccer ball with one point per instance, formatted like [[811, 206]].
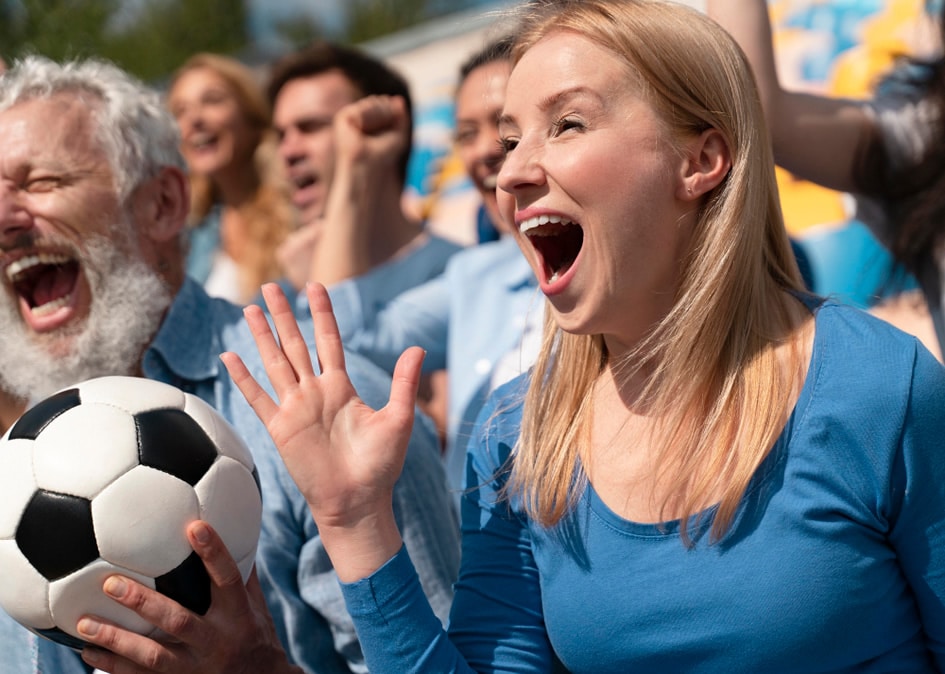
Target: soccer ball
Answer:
[[104, 478]]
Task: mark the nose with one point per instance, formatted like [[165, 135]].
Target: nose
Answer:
[[521, 168], [290, 147], [14, 218]]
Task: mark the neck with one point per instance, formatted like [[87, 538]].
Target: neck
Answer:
[[236, 186]]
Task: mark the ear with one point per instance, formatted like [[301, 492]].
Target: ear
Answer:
[[707, 162], [161, 205]]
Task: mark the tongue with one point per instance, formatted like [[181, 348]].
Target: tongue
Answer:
[[56, 281]]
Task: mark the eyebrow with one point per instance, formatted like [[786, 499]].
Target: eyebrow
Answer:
[[555, 99]]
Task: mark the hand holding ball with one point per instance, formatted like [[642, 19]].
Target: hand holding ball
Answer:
[[103, 478]]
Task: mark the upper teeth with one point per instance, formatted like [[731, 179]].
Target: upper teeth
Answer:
[[489, 182], [201, 139], [540, 220], [15, 269]]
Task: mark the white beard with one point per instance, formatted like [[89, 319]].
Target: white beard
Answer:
[[128, 302]]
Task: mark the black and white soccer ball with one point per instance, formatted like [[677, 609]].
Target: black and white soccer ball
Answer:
[[103, 478]]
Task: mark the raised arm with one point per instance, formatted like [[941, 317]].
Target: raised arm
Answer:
[[346, 458], [817, 138], [363, 221]]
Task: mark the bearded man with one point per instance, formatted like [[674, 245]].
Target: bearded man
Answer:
[[93, 199]]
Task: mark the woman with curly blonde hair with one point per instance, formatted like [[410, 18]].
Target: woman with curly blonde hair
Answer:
[[240, 210]]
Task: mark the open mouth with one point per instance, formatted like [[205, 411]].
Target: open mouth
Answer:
[[44, 281], [557, 241], [201, 141], [302, 181]]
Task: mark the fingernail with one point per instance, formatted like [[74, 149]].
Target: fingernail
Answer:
[[201, 532], [115, 587], [88, 627]]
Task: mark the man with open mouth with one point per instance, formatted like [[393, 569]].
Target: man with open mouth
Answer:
[[344, 119], [93, 201]]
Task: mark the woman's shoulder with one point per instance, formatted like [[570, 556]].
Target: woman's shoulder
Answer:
[[858, 352]]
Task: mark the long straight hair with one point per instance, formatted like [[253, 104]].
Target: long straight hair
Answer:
[[715, 382]]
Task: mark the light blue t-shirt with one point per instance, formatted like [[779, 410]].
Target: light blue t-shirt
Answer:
[[835, 562]]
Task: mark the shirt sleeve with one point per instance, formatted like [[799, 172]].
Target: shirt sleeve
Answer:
[[917, 531], [302, 588], [496, 622], [382, 329]]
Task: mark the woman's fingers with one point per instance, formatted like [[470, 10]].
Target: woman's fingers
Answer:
[[327, 338], [290, 337], [281, 373], [263, 405], [404, 385]]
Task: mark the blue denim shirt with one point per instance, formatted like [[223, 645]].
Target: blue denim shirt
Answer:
[[301, 588]]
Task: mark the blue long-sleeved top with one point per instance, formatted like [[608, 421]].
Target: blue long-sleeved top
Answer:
[[835, 562]]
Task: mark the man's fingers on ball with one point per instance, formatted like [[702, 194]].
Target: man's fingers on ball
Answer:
[[220, 565], [116, 650], [159, 610]]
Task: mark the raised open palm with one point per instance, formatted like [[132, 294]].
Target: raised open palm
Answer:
[[344, 456]]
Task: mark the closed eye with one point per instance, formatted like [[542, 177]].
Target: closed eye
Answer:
[[506, 145], [42, 183], [568, 124]]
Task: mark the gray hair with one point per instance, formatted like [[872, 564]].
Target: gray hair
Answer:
[[138, 134]]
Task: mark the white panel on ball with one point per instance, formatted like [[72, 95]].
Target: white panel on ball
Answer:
[[229, 502], [245, 565], [222, 434], [84, 449], [83, 484], [81, 593], [132, 394], [24, 593], [16, 484], [141, 519]]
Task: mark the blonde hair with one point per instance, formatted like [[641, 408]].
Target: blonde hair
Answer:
[[715, 380], [269, 215]]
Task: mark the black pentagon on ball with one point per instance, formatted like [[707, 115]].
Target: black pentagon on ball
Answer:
[[188, 584], [36, 418], [63, 638], [170, 440], [56, 535]]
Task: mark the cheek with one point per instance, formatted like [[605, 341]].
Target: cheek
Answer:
[[506, 204], [467, 156], [320, 149]]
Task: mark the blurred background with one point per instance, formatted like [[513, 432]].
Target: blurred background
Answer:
[[836, 46]]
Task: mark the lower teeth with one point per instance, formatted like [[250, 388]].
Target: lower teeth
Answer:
[[554, 277], [50, 307]]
